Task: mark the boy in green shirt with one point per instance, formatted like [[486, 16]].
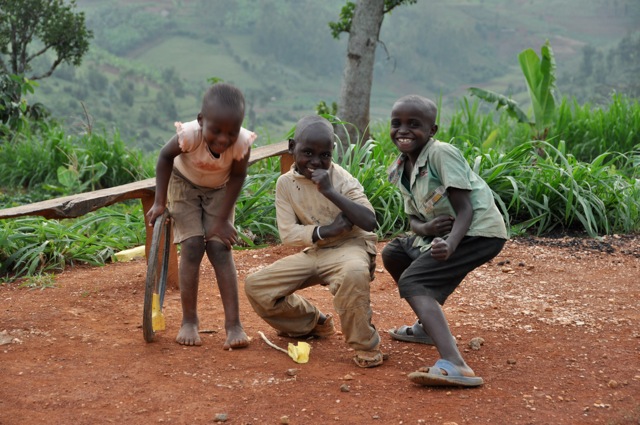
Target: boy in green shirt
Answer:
[[457, 227]]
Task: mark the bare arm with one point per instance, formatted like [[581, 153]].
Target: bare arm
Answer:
[[224, 228], [356, 213], [461, 202], [164, 167], [234, 185]]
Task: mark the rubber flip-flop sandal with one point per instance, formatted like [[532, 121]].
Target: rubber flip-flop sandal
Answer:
[[450, 378], [413, 333]]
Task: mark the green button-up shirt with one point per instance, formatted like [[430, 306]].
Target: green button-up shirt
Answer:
[[441, 166]]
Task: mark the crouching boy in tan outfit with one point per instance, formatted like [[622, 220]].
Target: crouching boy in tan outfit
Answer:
[[321, 207]]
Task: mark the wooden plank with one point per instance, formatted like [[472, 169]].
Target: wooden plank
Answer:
[[276, 149], [80, 204]]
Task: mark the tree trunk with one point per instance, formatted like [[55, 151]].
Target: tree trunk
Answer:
[[355, 93]]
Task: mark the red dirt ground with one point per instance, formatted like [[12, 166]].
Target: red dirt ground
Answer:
[[558, 316]]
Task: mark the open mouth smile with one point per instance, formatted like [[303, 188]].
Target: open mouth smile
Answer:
[[403, 141]]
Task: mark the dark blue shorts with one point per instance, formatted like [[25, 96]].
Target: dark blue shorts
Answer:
[[418, 273]]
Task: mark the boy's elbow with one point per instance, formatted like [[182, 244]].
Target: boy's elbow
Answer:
[[370, 224], [372, 228]]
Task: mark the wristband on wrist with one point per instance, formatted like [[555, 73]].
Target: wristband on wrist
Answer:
[[320, 238]]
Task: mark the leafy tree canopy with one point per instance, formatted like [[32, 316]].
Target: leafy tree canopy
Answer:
[[31, 28]]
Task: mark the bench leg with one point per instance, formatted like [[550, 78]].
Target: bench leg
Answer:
[[286, 161], [172, 273]]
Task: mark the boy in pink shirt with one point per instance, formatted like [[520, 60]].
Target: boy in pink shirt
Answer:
[[200, 171]]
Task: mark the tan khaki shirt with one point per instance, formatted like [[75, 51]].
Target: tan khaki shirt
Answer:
[[300, 207]]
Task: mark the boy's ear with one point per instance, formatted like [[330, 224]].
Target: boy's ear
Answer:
[[200, 118], [292, 144], [434, 129]]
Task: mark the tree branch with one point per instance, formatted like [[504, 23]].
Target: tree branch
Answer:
[[48, 73], [386, 51], [35, 55]]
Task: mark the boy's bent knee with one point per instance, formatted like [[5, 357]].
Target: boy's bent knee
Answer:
[[352, 288], [256, 294], [250, 285]]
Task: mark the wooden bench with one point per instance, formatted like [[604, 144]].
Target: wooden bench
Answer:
[[74, 206]]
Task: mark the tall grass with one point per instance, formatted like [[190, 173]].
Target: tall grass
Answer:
[[585, 178], [368, 163], [587, 131], [33, 159], [29, 158], [33, 245], [590, 131], [255, 209], [555, 191]]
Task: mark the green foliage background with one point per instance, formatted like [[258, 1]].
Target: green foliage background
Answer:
[[112, 114], [150, 60], [541, 187]]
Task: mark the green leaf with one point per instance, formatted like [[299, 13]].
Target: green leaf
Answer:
[[539, 74], [510, 105], [68, 177]]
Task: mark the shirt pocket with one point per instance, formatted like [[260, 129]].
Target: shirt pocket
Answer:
[[434, 198]]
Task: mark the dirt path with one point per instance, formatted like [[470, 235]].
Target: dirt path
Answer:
[[559, 319]]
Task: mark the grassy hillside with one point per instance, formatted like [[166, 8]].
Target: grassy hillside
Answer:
[[150, 60]]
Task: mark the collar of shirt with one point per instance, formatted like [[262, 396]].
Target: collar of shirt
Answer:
[[396, 170]]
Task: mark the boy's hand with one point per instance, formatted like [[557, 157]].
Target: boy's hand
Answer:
[[341, 224], [155, 212], [440, 249], [225, 231], [322, 179], [439, 226]]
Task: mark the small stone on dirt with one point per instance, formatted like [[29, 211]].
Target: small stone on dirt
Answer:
[[476, 343], [345, 388], [221, 417], [292, 372], [5, 338]]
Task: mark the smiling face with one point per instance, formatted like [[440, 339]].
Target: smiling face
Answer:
[[412, 124], [220, 128], [221, 117], [312, 148]]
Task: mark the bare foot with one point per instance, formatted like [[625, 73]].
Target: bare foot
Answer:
[[236, 338], [188, 335]]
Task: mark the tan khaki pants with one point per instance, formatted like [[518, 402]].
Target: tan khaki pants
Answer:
[[346, 269]]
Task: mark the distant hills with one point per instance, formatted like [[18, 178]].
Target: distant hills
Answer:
[[150, 61]]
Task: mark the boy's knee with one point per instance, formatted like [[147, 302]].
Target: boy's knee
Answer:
[[392, 251], [253, 291], [250, 286], [351, 282], [216, 247], [192, 249]]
